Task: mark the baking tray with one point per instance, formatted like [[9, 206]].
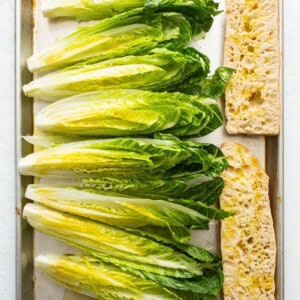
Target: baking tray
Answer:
[[34, 32]]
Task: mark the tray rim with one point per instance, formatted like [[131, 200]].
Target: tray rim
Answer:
[[24, 111]]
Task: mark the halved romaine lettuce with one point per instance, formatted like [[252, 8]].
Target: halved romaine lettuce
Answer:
[[130, 112], [201, 12], [163, 157], [133, 32], [92, 277], [157, 70], [125, 211], [119, 211], [88, 9], [111, 244], [99, 280]]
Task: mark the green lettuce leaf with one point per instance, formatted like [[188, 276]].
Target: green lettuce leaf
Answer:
[[86, 10], [129, 33], [157, 70], [200, 12], [198, 205], [100, 280], [162, 157], [204, 189], [211, 87], [130, 112], [209, 212], [210, 283], [111, 244], [161, 235]]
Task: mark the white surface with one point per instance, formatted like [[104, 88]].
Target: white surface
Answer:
[[291, 157]]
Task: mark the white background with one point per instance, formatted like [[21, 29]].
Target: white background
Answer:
[[291, 53]]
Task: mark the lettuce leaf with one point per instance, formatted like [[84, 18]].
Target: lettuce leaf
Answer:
[[157, 70], [200, 12], [163, 157], [130, 33], [130, 112], [130, 188], [210, 283], [212, 87], [161, 235], [204, 189], [86, 10], [111, 244], [119, 211], [99, 280]]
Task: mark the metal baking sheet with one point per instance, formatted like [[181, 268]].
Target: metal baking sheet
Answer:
[[34, 32]]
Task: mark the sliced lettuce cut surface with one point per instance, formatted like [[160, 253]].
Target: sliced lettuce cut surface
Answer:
[[142, 158], [157, 70], [133, 32], [121, 112]]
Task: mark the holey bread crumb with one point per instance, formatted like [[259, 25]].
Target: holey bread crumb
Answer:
[[247, 239], [252, 96]]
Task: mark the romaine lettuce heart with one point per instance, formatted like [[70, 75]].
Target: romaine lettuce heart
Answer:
[[126, 34], [120, 112], [156, 70], [163, 157]]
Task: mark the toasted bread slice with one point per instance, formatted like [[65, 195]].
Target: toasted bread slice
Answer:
[[247, 239], [252, 48]]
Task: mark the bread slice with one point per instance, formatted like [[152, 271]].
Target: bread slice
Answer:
[[247, 239], [252, 48]]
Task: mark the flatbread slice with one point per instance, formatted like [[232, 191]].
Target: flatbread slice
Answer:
[[252, 97], [247, 239]]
